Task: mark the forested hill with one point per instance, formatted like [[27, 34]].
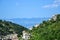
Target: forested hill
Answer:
[[7, 27], [47, 30]]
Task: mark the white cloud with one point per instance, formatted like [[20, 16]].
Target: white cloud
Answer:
[[51, 6], [55, 4]]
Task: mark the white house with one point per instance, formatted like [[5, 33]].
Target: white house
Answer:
[[54, 17], [36, 25], [30, 28], [25, 35]]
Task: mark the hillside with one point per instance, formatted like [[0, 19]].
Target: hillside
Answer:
[[47, 30], [7, 27], [27, 22]]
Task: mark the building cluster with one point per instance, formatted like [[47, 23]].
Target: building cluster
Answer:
[[25, 36], [9, 37]]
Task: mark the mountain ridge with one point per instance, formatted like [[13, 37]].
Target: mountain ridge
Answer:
[[27, 22], [7, 27]]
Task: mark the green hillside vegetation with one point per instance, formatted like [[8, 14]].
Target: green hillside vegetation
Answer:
[[7, 27], [47, 30]]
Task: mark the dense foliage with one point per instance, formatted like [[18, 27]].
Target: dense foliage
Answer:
[[7, 27], [47, 30]]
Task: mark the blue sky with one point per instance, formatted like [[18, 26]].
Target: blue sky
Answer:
[[28, 8]]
